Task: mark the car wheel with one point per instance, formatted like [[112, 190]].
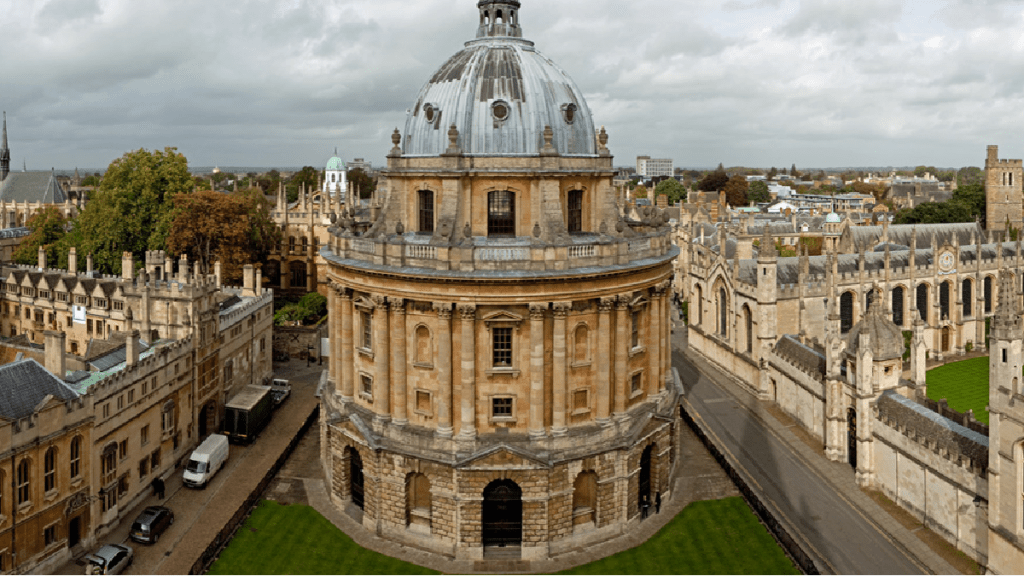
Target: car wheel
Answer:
[[156, 538]]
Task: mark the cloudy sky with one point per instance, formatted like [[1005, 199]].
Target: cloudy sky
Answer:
[[819, 83]]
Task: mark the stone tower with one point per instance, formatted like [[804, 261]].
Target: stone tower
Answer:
[[1006, 428], [767, 296], [5, 154], [1003, 191]]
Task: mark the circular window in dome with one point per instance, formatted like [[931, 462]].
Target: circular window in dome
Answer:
[[500, 110], [429, 112], [569, 111]]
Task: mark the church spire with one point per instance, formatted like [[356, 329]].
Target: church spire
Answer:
[[5, 154]]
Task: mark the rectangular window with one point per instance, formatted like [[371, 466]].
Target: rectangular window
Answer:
[[122, 449], [501, 213], [502, 347], [575, 212], [422, 401], [88, 326], [636, 329], [131, 396], [501, 407], [122, 486], [580, 400], [143, 467], [367, 385], [106, 410], [50, 535], [120, 402], [144, 435], [367, 330], [426, 212], [638, 381], [154, 459]]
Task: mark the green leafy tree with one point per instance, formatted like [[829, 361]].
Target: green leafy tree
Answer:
[[48, 227], [772, 173], [91, 181], [970, 175], [307, 177], [793, 172], [758, 192], [736, 191], [132, 210], [966, 205], [671, 188], [714, 181], [361, 181], [640, 192]]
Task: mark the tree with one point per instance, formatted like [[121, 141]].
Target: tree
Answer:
[[235, 229], [793, 172], [970, 175], [307, 177], [714, 181], [361, 181], [758, 192], [91, 181], [672, 189], [772, 173], [966, 205], [640, 191], [736, 191], [48, 227], [132, 210]]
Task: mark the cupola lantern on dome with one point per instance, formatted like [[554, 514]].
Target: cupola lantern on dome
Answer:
[[499, 18]]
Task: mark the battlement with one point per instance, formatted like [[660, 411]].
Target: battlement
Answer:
[[239, 312], [156, 358], [948, 439], [1010, 164]]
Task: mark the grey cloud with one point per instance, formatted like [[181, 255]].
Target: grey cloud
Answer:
[[61, 12]]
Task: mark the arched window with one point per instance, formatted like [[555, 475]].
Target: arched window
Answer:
[[50, 469], [76, 457], [417, 501], [22, 483], [897, 305], [944, 300], [426, 211], [846, 312], [584, 498], [501, 213], [988, 294], [424, 350], [748, 323], [291, 243], [581, 344], [965, 295], [723, 313], [869, 299], [699, 302], [575, 211], [298, 270], [922, 301]]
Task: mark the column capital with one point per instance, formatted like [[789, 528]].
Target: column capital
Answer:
[[605, 304], [379, 301], [443, 309], [622, 301], [341, 291], [538, 311], [467, 311], [660, 288], [398, 305], [561, 309]]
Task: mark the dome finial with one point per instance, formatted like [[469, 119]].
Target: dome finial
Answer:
[[499, 18]]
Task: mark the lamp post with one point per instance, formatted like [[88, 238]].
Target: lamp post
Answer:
[[309, 353]]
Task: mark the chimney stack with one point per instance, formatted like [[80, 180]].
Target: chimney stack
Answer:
[[259, 280], [72, 262], [88, 264], [53, 350], [217, 273], [247, 280], [127, 266], [42, 258]]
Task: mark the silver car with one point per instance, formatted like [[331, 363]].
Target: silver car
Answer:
[[110, 559]]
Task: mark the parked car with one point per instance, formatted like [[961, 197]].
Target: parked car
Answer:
[[280, 390], [153, 521], [110, 559]]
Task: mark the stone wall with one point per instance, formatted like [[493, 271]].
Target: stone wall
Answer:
[[294, 340]]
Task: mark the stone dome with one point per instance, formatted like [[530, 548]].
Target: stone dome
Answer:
[[886, 339], [833, 218], [500, 93]]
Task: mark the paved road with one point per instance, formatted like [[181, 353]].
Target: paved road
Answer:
[[834, 532]]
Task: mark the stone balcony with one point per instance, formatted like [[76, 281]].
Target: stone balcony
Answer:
[[581, 252]]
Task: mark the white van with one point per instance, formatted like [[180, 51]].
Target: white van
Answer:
[[206, 460]]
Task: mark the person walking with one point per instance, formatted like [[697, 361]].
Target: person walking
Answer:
[[158, 487], [646, 507], [657, 502]]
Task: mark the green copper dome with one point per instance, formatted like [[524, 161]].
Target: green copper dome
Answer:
[[335, 163]]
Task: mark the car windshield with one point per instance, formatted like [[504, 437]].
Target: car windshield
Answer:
[[196, 466]]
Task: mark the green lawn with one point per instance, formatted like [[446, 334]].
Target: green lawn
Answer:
[[713, 537], [963, 384], [296, 539]]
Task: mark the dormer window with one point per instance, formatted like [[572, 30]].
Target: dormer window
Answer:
[[500, 110], [429, 112], [569, 112]]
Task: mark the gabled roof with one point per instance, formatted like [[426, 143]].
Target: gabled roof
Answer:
[[23, 386], [32, 187]]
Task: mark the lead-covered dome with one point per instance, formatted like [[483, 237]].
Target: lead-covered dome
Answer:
[[501, 94]]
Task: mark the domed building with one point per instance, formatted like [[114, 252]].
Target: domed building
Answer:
[[335, 179], [500, 339]]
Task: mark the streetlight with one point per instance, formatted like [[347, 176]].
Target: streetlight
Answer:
[[309, 353]]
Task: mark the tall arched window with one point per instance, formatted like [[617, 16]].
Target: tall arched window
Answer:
[[50, 469], [723, 313], [575, 211], [846, 312], [897, 305], [417, 501], [501, 213], [581, 344], [922, 302], [76, 457], [869, 299], [22, 483], [298, 270], [988, 294], [424, 351], [748, 323], [965, 295], [944, 300], [699, 302], [426, 212], [584, 498]]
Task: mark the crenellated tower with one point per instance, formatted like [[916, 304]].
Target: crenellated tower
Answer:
[[1004, 191]]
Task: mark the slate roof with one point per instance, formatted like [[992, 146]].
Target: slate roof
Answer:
[[32, 187], [24, 384], [14, 232], [960, 234], [924, 423], [808, 360]]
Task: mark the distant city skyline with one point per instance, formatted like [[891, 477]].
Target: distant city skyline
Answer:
[[742, 82]]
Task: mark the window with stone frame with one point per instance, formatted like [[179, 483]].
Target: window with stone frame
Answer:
[[426, 212], [501, 213], [76, 457], [108, 463], [50, 535], [367, 386], [574, 211], [635, 330], [502, 347], [584, 498], [502, 407], [581, 401], [637, 382], [424, 347], [423, 402], [50, 469], [23, 482], [167, 419], [366, 319]]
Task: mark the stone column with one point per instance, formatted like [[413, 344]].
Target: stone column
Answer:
[[333, 328], [381, 359], [559, 376], [537, 313], [444, 368], [347, 382], [666, 344], [401, 398], [467, 314], [654, 337], [622, 344], [604, 351]]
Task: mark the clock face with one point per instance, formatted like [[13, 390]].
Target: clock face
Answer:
[[946, 261]]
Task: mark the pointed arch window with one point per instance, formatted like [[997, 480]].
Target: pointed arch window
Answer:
[[897, 305], [846, 312], [944, 300], [723, 313], [965, 295], [922, 301], [988, 294]]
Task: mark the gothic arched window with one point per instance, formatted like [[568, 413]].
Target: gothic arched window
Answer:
[[988, 294], [723, 313], [897, 305], [846, 312], [922, 301], [965, 295], [944, 300]]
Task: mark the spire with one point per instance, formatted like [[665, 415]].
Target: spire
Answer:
[[5, 154]]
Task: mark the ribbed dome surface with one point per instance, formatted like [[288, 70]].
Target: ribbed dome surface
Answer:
[[886, 338], [500, 93]]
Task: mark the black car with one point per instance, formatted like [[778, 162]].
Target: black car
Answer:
[[153, 521]]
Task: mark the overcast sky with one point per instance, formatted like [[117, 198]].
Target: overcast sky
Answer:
[[819, 83]]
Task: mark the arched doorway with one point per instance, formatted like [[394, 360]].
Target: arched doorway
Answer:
[[355, 477], [502, 514], [643, 485], [207, 419], [851, 436]]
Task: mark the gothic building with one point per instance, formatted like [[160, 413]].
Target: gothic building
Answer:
[[24, 193], [500, 375]]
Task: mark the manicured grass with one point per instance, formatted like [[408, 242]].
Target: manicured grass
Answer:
[[963, 384], [713, 537], [296, 539]]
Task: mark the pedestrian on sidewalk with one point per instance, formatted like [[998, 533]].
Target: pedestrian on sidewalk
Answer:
[[645, 507], [657, 502], [158, 488]]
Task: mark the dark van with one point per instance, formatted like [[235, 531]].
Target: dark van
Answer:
[[153, 521]]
